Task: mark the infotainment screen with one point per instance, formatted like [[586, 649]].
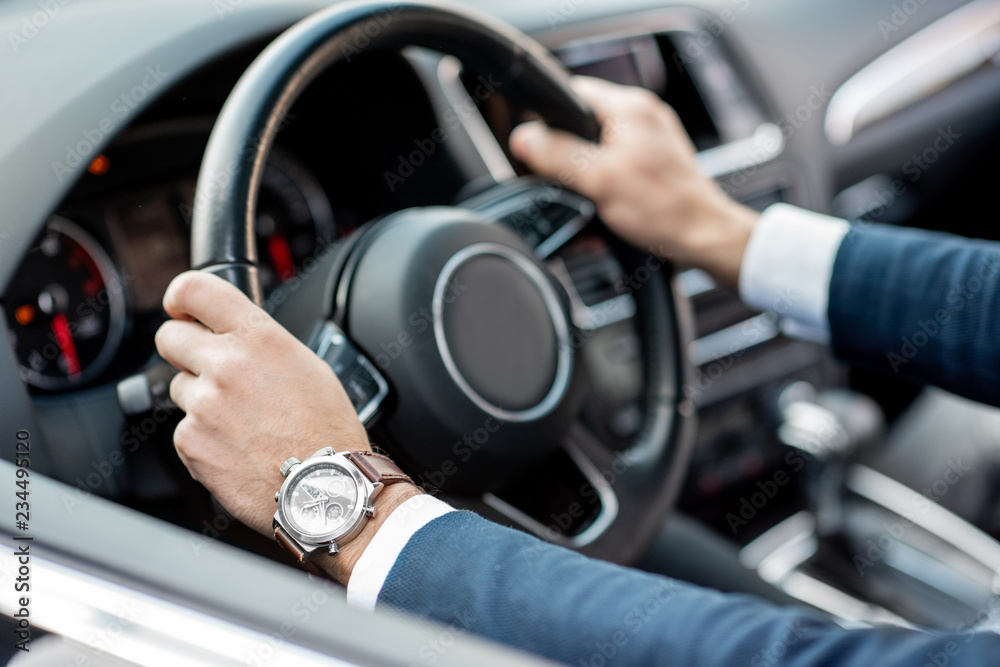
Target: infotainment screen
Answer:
[[634, 61]]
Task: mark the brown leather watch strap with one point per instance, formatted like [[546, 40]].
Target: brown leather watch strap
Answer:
[[378, 468], [303, 557]]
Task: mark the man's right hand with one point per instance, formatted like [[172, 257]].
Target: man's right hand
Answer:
[[644, 178], [253, 396]]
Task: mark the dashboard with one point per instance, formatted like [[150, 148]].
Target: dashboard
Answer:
[[87, 300], [99, 180]]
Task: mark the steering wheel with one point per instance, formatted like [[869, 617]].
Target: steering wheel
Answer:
[[486, 399]]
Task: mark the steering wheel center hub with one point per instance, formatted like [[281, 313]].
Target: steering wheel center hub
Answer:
[[501, 332], [466, 324]]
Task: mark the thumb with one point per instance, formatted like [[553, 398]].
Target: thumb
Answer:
[[549, 153]]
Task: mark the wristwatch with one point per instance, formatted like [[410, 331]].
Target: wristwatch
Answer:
[[326, 499]]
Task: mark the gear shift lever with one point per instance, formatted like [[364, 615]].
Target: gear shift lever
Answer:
[[828, 427]]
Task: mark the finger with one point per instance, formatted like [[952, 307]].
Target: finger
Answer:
[[618, 107], [187, 437], [187, 345], [201, 296], [547, 152], [603, 97], [181, 389]]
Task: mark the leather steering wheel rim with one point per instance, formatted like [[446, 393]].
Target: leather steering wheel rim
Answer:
[[223, 237], [252, 115]]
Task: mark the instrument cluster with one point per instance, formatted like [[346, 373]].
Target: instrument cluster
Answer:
[[87, 296]]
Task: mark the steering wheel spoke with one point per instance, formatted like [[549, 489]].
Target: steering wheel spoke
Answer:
[[362, 381], [481, 158], [576, 490]]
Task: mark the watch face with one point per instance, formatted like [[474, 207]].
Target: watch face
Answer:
[[322, 501]]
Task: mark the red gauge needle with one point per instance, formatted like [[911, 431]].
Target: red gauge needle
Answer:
[[281, 256], [64, 339]]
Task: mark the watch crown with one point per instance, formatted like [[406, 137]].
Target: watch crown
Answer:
[[333, 550], [369, 510], [277, 495], [287, 466]]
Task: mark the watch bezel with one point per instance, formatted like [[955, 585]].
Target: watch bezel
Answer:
[[357, 517]]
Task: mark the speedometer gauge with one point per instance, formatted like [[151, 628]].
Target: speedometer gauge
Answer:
[[65, 308], [294, 218]]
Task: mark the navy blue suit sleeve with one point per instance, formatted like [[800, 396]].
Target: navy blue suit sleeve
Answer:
[[511, 587], [922, 305]]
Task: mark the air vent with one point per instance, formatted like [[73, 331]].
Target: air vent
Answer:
[[595, 273], [595, 283]]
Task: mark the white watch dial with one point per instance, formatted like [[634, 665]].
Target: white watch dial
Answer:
[[322, 501]]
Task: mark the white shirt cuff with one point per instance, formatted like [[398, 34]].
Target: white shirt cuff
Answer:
[[788, 265], [380, 555]]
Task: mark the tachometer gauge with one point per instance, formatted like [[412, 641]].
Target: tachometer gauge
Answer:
[[65, 309], [294, 218]]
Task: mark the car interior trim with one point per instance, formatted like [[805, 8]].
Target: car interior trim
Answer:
[[765, 145], [591, 318], [87, 609], [939, 55], [847, 610], [694, 282], [733, 340], [932, 517], [782, 548], [777, 557]]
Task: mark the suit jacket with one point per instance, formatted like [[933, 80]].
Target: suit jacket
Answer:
[[503, 584], [920, 305], [909, 302]]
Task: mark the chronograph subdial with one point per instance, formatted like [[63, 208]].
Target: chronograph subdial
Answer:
[[324, 500]]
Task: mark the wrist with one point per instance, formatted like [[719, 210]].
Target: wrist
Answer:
[[717, 246], [341, 566]]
